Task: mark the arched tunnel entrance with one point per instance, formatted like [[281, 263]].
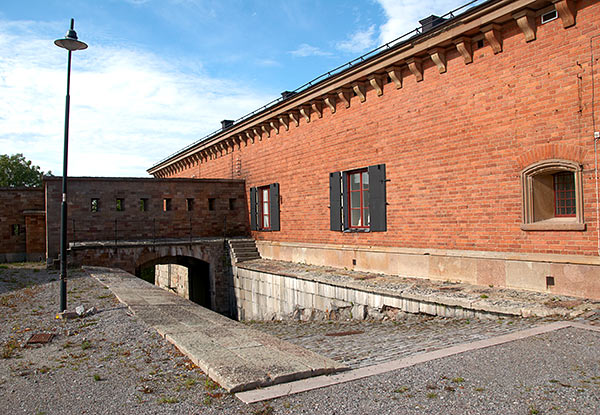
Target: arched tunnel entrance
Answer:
[[186, 276]]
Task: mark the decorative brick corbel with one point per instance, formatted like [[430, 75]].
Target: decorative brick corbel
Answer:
[[566, 11], [265, 128], [416, 67], [305, 111], [285, 121], [359, 89], [330, 102], [493, 35], [274, 125], [345, 95], [395, 74], [464, 47], [237, 141], [250, 136], [317, 107], [257, 133], [295, 117], [526, 22], [376, 81], [438, 56]]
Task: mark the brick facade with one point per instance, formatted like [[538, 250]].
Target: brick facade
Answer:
[[454, 144], [131, 223], [17, 205]]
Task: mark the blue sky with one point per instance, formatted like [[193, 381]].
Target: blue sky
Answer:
[[160, 74]]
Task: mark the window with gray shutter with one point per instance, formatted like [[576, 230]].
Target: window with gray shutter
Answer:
[[274, 199], [335, 201], [253, 201], [377, 198]]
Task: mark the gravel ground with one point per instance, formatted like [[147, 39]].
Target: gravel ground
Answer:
[[112, 363]]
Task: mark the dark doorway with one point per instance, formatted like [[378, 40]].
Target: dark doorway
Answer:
[[198, 273], [199, 284]]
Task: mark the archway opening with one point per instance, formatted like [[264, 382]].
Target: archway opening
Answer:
[[185, 276]]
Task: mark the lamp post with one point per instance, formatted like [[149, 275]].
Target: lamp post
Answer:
[[70, 43]]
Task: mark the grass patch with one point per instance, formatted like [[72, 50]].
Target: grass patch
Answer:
[[85, 345], [401, 389], [265, 410], [458, 380], [484, 296], [10, 349], [97, 377], [209, 385], [165, 399], [432, 395]]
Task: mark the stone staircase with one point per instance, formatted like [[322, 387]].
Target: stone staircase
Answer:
[[243, 250]]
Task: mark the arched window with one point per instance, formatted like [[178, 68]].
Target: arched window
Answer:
[[552, 196]]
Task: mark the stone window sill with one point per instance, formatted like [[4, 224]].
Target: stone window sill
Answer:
[[553, 225]]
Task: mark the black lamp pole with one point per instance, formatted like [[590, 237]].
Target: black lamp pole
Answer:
[[70, 43]]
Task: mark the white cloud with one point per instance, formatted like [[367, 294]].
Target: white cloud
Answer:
[[359, 41], [305, 50], [403, 16], [129, 108]]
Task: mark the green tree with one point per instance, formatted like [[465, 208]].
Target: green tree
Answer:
[[16, 171]]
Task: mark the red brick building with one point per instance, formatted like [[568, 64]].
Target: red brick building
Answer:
[[22, 224], [465, 152]]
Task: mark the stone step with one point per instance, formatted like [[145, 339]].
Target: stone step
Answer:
[[243, 249]]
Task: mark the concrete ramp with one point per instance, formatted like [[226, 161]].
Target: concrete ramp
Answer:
[[235, 356]]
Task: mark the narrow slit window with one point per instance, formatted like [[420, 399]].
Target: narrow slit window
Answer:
[[143, 205], [231, 204], [15, 230], [189, 204], [166, 204], [120, 204], [95, 205], [211, 203]]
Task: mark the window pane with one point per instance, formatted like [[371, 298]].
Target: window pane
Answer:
[[265, 208], [265, 194], [365, 179], [365, 198], [366, 217], [265, 221], [354, 199], [355, 181], [355, 217]]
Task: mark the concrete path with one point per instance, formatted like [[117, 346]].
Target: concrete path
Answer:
[[235, 356]]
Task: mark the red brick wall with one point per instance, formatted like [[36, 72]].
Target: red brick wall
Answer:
[[452, 145], [13, 202], [36, 232], [131, 223]]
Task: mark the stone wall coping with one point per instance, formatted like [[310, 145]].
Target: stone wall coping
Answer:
[[22, 188], [145, 242], [34, 212], [132, 179], [507, 256]]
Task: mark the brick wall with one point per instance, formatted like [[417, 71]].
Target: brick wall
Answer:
[[453, 146], [13, 204], [133, 224]]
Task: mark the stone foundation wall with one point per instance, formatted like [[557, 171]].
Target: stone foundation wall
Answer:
[[265, 296], [573, 275]]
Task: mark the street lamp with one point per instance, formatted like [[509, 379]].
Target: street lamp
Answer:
[[69, 43]]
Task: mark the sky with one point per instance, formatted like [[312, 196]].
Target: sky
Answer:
[[161, 74]]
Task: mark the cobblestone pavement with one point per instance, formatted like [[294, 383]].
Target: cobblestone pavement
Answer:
[[365, 343]]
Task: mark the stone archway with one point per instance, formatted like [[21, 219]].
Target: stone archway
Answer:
[[186, 276]]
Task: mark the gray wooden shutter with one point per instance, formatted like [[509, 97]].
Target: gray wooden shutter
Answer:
[[335, 202], [344, 198], [253, 224], [377, 198], [274, 202]]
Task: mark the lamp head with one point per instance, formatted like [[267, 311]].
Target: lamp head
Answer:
[[70, 41]]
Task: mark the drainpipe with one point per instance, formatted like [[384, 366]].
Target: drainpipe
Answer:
[[596, 138]]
